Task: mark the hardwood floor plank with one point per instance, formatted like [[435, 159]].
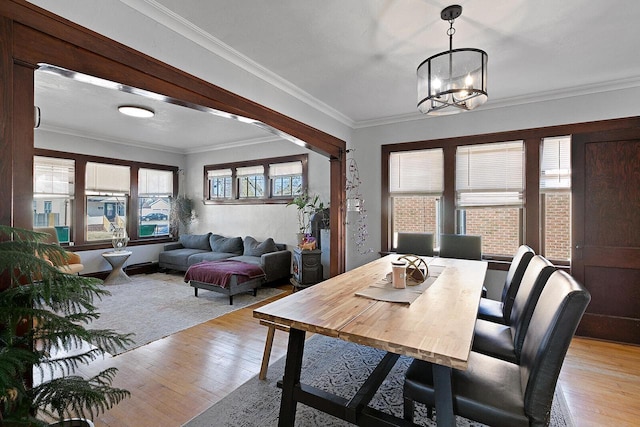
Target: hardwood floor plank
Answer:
[[176, 378]]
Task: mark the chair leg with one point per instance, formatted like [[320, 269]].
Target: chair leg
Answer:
[[409, 407]]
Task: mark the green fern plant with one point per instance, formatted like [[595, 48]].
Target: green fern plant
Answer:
[[44, 317]]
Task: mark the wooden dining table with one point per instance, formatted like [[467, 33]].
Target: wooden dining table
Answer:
[[437, 327]]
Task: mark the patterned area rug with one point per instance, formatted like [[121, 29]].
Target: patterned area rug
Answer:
[[338, 367], [157, 305]]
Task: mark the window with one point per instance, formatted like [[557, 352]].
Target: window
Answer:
[[155, 189], [53, 194], [416, 184], [105, 188], [274, 180], [490, 194], [250, 181], [510, 193], [219, 184], [286, 179], [555, 197], [107, 191]]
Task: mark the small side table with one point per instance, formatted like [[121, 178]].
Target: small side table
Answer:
[[117, 260]]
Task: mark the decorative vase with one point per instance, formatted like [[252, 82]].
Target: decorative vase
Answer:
[[119, 239]]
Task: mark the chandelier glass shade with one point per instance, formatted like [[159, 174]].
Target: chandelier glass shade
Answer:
[[452, 81]]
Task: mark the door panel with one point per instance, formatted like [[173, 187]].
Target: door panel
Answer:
[[606, 231]]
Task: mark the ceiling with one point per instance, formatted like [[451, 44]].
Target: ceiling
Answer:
[[356, 60]]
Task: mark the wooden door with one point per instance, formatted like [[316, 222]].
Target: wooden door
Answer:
[[606, 231]]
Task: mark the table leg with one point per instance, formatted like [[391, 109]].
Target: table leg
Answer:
[[267, 352], [291, 378], [444, 395]]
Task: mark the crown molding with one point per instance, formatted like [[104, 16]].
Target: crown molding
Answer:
[[233, 144], [163, 148], [197, 35], [552, 95], [105, 138]]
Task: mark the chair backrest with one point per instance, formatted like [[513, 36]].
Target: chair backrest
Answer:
[[555, 319], [514, 276], [460, 246], [51, 232], [415, 244], [533, 281]]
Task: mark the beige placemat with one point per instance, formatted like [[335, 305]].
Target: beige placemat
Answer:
[[383, 290]]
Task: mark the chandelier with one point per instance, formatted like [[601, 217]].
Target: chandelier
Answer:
[[454, 80]]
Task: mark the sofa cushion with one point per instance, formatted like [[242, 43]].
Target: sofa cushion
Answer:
[[208, 256], [231, 245], [177, 257], [254, 248], [248, 259], [195, 241]]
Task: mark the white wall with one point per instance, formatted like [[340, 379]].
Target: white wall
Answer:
[[367, 142], [259, 221]]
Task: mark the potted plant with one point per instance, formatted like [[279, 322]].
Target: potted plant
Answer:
[[182, 213], [305, 205], [44, 317]]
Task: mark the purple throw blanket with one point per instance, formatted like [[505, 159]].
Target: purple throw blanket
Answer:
[[220, 272]]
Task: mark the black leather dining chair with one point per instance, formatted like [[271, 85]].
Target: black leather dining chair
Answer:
[[505, 341], [499, 393], [461, 246], [500, 311], [415, 244]]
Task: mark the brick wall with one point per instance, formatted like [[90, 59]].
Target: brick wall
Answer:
[[499, 227], [557, 222], [414, 214]]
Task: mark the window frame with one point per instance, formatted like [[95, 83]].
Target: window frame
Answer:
[[79, 214], [531, 230], [158, 195], [268, 197]]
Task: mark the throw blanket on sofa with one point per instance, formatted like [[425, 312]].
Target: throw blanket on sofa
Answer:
[[220, 272]]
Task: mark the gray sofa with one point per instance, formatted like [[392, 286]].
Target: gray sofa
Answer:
[[274, 258]]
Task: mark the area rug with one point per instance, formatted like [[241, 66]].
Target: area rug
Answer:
[[157, 305], [340, 368]]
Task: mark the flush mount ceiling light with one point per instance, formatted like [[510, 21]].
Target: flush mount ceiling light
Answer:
[[134, 111], [455, 80]]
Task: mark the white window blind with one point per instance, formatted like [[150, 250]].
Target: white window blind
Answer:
[[219, 173], [555, 164], [155, 182], [285, 169], [53, 176], [417, 171], [490, 174], [250, 170], [104, 178]]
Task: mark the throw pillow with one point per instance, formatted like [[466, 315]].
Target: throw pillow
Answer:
[[231, 245], [195, 241], [254, 248]]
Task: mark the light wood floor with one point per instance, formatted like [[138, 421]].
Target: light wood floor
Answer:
[[174, 379]]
